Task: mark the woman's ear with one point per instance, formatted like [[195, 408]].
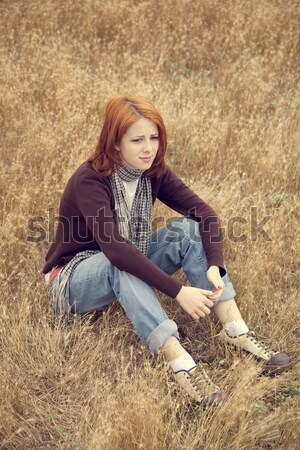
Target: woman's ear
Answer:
[[117, 148]]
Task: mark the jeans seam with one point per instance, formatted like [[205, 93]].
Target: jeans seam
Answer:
[[198, 254], [158, 248]]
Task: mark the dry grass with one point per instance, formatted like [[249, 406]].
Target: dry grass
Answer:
[[225, 75]]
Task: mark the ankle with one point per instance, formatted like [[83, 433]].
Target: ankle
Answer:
[[172, 349], [183, 362], [236, 327]]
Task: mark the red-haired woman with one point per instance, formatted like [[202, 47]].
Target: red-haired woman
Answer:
[[105, 250]]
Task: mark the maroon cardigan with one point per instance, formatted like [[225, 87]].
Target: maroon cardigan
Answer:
[[86, 223]]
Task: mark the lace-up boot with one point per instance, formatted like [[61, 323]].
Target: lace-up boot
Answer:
[[274, 362], [199, 386]]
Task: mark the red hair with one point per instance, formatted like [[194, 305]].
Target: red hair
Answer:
[[120, 113]]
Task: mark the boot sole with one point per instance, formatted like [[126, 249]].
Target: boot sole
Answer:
[[277, 369]]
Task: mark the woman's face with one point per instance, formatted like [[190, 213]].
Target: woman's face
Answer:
[[139, 145]]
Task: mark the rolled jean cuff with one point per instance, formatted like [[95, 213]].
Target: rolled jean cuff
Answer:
[[227, 294], [160, 334]]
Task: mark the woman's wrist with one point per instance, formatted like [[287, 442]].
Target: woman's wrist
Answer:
[[179, 293]]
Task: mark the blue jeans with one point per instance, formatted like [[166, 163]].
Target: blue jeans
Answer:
[[96, 283]]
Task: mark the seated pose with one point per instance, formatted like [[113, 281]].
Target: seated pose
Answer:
[[105, 250]]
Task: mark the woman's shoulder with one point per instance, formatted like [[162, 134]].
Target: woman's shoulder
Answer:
[[86, 172], [84, 179], [168, 176], [86, 168]]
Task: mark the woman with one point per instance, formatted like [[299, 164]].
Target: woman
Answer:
[[105, 250]]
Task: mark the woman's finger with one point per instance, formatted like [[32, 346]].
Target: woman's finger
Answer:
[[218, 286], [214, 297], [218, 290], [216, 281], [205, 292], [205, 310], [208, 302]]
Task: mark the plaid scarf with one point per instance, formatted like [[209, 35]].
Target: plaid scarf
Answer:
[[134, 225]]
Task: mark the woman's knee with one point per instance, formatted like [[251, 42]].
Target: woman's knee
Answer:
[[186, 227]]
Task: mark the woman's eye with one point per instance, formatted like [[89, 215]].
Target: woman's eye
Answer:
[[141, 139]]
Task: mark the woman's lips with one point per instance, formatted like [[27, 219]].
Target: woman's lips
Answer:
[[146, 158]]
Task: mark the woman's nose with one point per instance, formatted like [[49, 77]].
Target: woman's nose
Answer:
[[148, 146]]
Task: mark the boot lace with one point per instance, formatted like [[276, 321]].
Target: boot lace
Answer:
[[260, 344], [202, 382]]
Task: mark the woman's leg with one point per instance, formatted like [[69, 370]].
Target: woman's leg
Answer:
[[96, 283], [227, 311], [179, 245]]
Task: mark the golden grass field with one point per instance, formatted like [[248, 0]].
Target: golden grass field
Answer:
[[225, 76]]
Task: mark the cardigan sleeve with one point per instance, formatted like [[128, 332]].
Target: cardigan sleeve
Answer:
[[93, 196], [176, 195]]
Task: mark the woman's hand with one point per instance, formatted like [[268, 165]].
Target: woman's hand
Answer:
[[195, 301], [215, 279]]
